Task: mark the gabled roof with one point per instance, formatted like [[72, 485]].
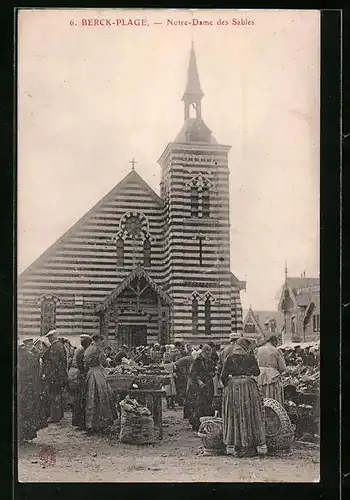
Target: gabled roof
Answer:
[[298, 283], [242, 285], [132, 176], [264, 316], [301, 290], [259, 318], [250, 316], [138, 272]]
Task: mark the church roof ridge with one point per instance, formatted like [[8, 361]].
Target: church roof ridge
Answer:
[[130, 176]]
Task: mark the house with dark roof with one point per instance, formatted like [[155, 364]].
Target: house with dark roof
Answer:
[[300, 304], [139, 267], [259, 324]]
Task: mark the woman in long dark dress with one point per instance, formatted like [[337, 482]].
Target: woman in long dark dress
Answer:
[[200, 388], [244, 427], [33, 410], [78, 393], [27, 395], [99, 409]]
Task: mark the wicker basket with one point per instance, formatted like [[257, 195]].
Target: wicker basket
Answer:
[[210, 432], [278, 427]]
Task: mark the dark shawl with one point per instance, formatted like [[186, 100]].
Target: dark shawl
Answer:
[[54, 366], [241, 361]]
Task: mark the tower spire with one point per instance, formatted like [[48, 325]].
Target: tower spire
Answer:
[[193, 92]]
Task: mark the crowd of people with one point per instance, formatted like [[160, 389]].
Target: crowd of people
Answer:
[[241, 375], [50, 369], [296, 354]]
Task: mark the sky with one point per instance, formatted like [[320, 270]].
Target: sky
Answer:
[[91, 98]]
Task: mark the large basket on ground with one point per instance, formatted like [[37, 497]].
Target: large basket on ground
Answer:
[[210, 432], [278, 427]]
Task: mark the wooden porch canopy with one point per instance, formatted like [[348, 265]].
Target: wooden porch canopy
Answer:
[[110, 309], [138, 272]]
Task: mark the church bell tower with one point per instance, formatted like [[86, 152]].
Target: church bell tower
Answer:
[[195, 190]]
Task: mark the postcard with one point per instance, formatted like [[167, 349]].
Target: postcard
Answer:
[[168, 304]]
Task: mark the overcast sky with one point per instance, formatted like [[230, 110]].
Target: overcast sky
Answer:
[[91, 98]]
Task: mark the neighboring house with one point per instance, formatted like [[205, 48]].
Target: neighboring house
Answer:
[[300, 304], [139, 267], [258, 324]]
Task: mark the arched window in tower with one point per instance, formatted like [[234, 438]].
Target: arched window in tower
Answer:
[[120, 252], [147, 253], [194, 201], [48, 315], [207, 317], [194, 315], [205, 203]]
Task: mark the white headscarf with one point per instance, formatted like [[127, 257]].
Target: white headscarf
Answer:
[[195, 353]]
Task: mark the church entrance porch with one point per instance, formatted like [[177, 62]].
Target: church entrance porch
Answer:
[[135, 313], [132, 335]]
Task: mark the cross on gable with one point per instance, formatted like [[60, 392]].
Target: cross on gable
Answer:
[[132, 162]]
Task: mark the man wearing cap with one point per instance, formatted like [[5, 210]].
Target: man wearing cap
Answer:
[[78, 409], [55, 375]]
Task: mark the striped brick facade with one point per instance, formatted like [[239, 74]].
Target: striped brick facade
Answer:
[[80, 268], [189, 254], [184, 275]]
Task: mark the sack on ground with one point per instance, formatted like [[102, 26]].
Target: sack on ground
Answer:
[[136, 429], [136, 423]]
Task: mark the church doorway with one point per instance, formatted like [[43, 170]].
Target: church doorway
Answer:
[[132, 335]]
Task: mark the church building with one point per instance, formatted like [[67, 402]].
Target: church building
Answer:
[[139, 267]]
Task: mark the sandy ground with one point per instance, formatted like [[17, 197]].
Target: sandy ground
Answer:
[[62, 454]]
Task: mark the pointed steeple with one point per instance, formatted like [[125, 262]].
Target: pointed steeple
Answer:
[[193, 87], [193, 93], [194, 129]]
